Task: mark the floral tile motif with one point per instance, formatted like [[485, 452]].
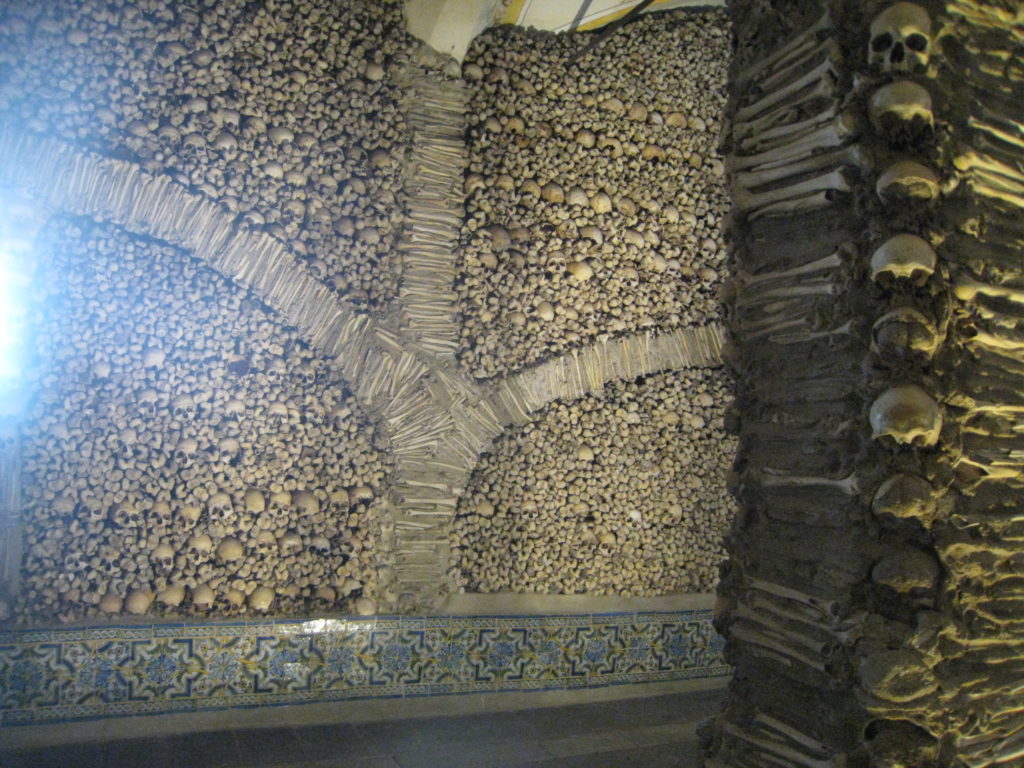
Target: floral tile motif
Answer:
[[548, 656], [51, 676], [283, 664], [499, 654], [596, 651], [30, 675]]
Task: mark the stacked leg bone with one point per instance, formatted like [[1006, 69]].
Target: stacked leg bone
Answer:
[[594, 197], [790, 606], [899, 597], [977, 648], [283, 114], [187, 453]]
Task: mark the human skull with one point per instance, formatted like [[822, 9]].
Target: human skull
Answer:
[[220, 507], [228, 449], [261, 599], [185, 452], [290, 543], [276, 368], [265, 543], [902, 112], [907, 415], [229, 550], [339, 415], [147, 402], [234, 408], [188, 516], [125, 515], [202, 597], [305, 503], [254, 502], [904, 332], [183, 407], [338, 502], [200, 545], [125, 443], [159, 515], [900, 38], [162, 558], [280, 505], [320, 545], [903, 257]]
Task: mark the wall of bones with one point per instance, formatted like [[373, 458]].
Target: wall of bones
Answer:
[[594, 197], [506, 251], [185, 447], [873, 603], [621, 493], [238, 100]]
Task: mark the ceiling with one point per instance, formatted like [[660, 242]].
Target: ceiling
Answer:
[[448, 26]]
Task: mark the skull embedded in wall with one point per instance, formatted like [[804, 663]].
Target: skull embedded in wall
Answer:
[[125, 515], [907, 415], [900, 38], [183, 407], [185, 452], [254, 502], [220, 508], [147, 401], [280, 506], [227, 450], [159, 515], [902, 112], [304, 504]]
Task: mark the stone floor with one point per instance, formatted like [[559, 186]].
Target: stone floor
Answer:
[[652, 732]]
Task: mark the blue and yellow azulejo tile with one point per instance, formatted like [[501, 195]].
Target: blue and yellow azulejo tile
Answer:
[[56, 675]]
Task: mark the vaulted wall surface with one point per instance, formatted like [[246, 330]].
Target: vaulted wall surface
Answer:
[[872, 600], [272, 344]]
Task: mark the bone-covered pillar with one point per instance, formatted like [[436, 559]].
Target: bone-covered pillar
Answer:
[[873, 603]]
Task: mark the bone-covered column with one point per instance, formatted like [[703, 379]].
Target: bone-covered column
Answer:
[[874, 599]]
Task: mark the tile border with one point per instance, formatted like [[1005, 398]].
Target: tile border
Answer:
[[72, 674]]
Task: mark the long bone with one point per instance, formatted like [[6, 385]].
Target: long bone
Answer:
[[782, 121], [789, 732], [779, 77], [830, 262], [848, 485], [828, 609], [748, 635], [779, 135], [788, 52], [788, 754], [833, 133], [823, 74], [833, 181], [848, 157], [774, 626]]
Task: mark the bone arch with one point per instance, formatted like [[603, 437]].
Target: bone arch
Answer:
[[389, 374]]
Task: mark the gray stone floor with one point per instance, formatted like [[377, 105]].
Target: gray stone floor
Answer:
[[652, 732]]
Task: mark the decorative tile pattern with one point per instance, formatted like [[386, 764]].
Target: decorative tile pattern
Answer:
[[51, 676]]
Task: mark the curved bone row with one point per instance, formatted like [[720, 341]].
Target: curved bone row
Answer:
[[240, 104], [588, 182], [873, 603], [615, 494], [187, 453]]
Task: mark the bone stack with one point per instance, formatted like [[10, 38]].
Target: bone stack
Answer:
[[872, 602], [435, 104], [590, 182], [622, 494], [240, 103], [186, 454]]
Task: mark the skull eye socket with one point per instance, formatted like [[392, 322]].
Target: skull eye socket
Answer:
[[882, 42], [917, 42]]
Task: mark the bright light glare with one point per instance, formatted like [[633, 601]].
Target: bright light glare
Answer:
[[14, 287]]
